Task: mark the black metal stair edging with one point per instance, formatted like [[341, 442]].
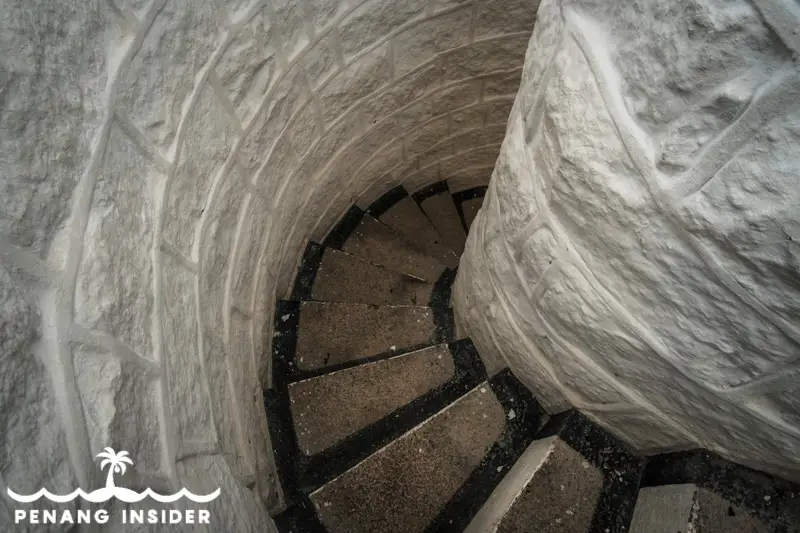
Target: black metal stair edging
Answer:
[[462, 196]]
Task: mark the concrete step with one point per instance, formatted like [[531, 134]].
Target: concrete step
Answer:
[[551, 489], [329, 408], [438, 205], [331, 334], [689, 508], [403, 487], [342, 277], [573, 478], [380, 245], [407, 218]]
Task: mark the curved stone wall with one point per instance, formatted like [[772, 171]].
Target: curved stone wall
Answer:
[[165, 163], [636, 255]]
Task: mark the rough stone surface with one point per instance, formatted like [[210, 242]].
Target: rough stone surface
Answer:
[[249, 66], [161, 77], [358, 80], [189, 398], [33, 452], [114, 291], [639, 212], [431, 36], [202, 155], [320, 62], [52, 80], [120, 405], [374, 19]]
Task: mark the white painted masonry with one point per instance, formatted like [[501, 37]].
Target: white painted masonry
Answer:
[[164, 164], [637, 253]]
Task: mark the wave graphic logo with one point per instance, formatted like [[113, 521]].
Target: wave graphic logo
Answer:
[[117, 464]]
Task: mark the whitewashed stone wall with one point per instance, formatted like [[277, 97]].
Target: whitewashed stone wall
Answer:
[[164, 164], [637, 252]]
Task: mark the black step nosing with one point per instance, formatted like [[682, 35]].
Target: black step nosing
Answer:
[[519, 433], [766, 496], [316, 470], [460, 197], [430, 190], [386, 201], [307, 273], [301, 517], [344, 228], [470, 194]]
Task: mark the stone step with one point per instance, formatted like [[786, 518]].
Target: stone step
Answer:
[[403, 487], [438, 205], [373, 241], [328, 408], [573, 478], [469, 202], [406, 218], [336, 276], [552, 488], [332, 334], [689, 508]]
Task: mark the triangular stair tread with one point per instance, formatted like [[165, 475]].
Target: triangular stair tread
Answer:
[[336, 276], [689, 508], [406, 218], [403, 487], [381, 245], [331, 334], [442, 212], [328, 408]]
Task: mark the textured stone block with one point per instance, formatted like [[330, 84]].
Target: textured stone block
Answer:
[[161, 76], [190, 406], [287, 97], [249, 66], [304, 130], [402, 92], [468, 178], [499, 110], [114, 291], [51, 110], [236, 503], [323, 12], [476, 157], [422, 138], [215, 251], [438, 103], [503, 84], [652, 434], [758, 247], [500, 54], [468, 118], [498, 17], [320, 62], [291, 19], [254, 228], [202, 155], [373, 20], [33, 446], [364, 75], [121, 405], [227, 415], [422, 41]]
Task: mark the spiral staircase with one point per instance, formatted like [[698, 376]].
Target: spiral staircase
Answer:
[[385, 419]]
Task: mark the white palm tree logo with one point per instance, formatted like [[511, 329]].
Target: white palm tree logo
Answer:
[[116, 462]]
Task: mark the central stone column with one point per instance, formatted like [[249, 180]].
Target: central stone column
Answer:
[[636, 256]]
